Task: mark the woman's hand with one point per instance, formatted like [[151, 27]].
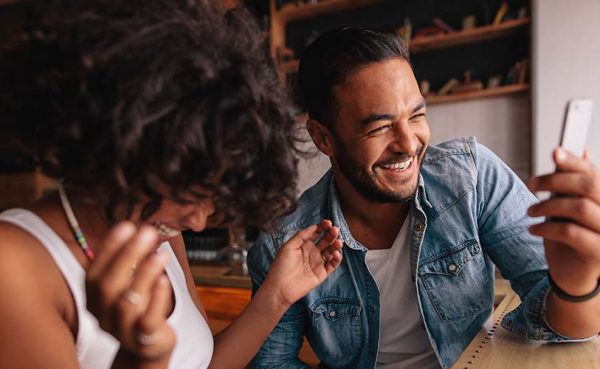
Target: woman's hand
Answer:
[[302, 265], [129, 293], [571, 231]]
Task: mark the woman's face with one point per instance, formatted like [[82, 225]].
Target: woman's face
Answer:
[[172, 217]]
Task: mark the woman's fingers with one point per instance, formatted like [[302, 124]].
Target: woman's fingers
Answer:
[[147, 273], [119, 272], [328, 238], [151, 334], [302, 236], [333, 256], [324, 225], [135, 300], [115, 240]]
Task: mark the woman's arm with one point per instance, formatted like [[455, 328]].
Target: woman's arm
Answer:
[[299, 267], [34, 333]]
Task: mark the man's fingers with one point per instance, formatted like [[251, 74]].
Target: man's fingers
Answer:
[[568, 162], [578, 238], [581, 210], [574, 184]]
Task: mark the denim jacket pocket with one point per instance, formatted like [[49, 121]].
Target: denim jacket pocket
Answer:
[[337, 331], [457, 281]]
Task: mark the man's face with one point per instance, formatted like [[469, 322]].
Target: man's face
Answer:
[[380, 133]]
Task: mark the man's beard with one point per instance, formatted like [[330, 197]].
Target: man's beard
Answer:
[[365, 184]]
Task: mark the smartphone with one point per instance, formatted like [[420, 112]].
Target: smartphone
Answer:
[[578, 116]]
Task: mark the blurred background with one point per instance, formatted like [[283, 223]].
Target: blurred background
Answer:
[[502, 71]]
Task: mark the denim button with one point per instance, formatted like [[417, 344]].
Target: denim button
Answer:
[[452, 268], [419, 227], [372, 309], [332, 314]]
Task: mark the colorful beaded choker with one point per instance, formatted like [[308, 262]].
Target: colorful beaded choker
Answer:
[[74, 224]]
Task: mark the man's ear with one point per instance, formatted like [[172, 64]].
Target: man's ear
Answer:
[[321, 136]]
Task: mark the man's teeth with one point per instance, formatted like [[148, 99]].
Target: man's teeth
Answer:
[[398, 166]]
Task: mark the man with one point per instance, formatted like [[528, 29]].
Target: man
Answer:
[[423, 226]]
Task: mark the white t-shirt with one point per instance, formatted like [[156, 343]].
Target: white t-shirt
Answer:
[[403, 341]]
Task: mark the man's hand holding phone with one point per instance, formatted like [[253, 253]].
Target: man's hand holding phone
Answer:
[[571, 235], [572, 227]]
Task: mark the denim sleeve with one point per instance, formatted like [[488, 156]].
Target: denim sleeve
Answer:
[[502, 203], [281, 348]]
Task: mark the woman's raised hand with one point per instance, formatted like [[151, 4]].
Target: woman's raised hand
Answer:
[[129, 293], [302, 265]]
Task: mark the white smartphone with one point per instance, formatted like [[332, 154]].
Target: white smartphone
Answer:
[[578, 116]]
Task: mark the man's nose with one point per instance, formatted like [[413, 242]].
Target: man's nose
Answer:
[[405, 141]]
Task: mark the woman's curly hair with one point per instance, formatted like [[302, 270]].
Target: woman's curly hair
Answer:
[[125, 98]]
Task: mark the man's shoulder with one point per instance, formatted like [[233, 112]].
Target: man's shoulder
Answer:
[[460, 149], [452, 169], [450, 150]]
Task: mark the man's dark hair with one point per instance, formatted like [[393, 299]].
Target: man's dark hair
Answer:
[[332, 57], [129, 99]]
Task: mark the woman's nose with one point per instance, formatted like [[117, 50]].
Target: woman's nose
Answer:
[[196, 219]]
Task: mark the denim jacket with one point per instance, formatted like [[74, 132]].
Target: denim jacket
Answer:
[[468, 214]]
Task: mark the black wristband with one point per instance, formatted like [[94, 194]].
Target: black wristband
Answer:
[[567, 297]]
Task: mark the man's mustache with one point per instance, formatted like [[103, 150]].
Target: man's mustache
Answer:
[[399, 157]]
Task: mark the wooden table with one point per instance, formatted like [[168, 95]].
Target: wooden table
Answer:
[[496, 348]]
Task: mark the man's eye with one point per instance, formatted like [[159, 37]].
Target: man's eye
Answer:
[[379, 129], [417, 116]]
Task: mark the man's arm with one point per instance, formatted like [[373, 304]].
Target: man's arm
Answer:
[[281, 348], [502, 203], [571, 234]]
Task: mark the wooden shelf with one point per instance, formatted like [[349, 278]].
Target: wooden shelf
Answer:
[[490, 92], [447, 39], [297, 12], [434, 100], [478, 34]]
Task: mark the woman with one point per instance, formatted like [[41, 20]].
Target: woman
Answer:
[[153, 115]]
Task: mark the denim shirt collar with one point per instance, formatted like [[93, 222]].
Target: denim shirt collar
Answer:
[[337, 215]]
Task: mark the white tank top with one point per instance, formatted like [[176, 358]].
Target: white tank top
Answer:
[[97, 349]]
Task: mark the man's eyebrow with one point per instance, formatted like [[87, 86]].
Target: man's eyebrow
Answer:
[[375, 117], [422, 104]]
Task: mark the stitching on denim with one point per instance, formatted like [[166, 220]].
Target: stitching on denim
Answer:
[[450, 251]]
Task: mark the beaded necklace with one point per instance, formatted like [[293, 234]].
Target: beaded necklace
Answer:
[[66, 205]]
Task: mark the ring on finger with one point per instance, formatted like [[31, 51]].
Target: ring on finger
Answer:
[[146, 339], [132, 297]]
